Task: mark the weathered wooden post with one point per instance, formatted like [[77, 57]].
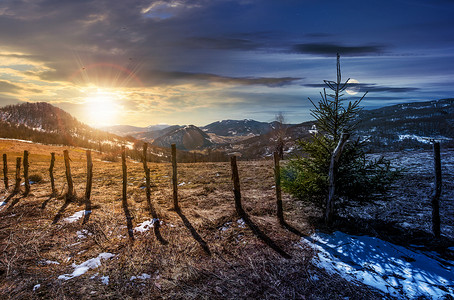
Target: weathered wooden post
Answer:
[[70, 194], [437, 191], [17, 186], [329, 213], [51, 174], [174, 178], [124, 198], [5, 171], [89, 183], [277, 179], [27, 182], [147, 175], [236, 186]]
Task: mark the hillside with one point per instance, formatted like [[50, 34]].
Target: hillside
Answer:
[[408, 125], [44, 123], [185, 138], [245, 127]]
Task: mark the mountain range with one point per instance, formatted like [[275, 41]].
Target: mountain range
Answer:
[[391, 128]]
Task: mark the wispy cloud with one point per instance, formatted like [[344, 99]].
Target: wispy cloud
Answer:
[[331, 49]]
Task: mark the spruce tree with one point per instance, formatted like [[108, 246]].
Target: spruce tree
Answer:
[[357, 179]]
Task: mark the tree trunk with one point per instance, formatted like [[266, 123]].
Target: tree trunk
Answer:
[[329, 212]]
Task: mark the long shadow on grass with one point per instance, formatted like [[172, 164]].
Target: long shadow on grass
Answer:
[[261, 235], [61, 211], [8, 198], [292, 229], [128, 220], [15, 201], [194, 233]]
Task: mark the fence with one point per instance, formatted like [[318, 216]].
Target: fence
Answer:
[[70, 194]]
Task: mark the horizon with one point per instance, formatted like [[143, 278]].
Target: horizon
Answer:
[[198, 62]]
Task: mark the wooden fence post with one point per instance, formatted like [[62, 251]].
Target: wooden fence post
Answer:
[[437, 191], [89, 182], [51, 173], [27, 182], [174, 178], [277, 179], [17, 186], [124, 198], [329, 212], [236, 186], [147, 175], [70, 194], [5, 171]]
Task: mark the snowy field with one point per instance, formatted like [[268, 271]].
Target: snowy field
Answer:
[[411, 272], [398, 271]]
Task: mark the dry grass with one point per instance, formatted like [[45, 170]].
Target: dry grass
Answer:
[[240, 265]]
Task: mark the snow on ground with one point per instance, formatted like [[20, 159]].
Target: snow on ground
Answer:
[[86, 265], [390, 268], [76, 216], [145, 226]]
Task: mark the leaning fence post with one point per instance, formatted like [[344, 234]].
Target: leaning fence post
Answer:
[[51, 173], [277, 179], [437, 191], [236, 187], [124, 198], [89, 183], [174, 178], [70, 194], [26, 181], [17, 186], [5, 171]]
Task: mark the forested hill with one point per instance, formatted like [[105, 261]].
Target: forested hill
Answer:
[[409, 125], [44, 123]]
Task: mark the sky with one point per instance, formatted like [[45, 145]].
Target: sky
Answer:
[[144, 62]]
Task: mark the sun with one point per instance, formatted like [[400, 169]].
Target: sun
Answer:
[[101, 108]]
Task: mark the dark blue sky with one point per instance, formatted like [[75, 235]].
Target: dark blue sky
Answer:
[[195, 62]]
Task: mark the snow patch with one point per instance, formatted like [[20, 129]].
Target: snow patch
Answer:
[[145, 226], [36, 287], [76, 216], [390, 268], [81, 269], [241, 223], [105, 280], [144, 276]]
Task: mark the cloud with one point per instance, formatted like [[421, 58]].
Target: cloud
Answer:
[[222, 43], [363, 87], [331, 49], [163, 76]]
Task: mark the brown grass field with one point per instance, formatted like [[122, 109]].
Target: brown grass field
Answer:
[[35, 251]]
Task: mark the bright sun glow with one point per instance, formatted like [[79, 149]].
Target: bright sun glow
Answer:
[[101, 108]]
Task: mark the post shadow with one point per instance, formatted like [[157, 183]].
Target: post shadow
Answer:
[[61, 211], [242, 213], [194, 233], [156, 221], [15, 201]]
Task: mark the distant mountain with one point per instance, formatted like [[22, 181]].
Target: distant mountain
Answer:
[[186, 138], [45, 123], [151, 135], [408, 125], [124, 130], [245, 127]]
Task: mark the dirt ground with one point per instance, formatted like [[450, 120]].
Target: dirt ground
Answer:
[[38, 244]]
